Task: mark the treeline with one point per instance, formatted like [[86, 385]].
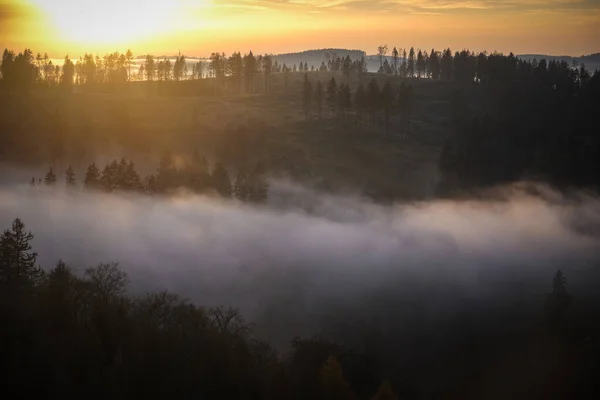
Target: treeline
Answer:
[[193, 174], [378, 104], [66, 332], [533, 120]]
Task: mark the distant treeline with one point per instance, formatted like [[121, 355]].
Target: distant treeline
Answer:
[[193, 174]]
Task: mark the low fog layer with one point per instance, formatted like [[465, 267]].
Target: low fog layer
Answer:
[[309, 262]]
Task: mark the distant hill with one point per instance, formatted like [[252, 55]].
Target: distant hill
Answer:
[[316, 57], [591, 61]]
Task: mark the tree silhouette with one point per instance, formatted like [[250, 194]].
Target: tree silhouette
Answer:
[[360, 102], [332, 95], [68, 72], [92, 176], [381, 52], [107, 281], [18, 266], [420, 64], [70, 176], [434, 64], [410, 71], [558, 302], [50, 178], [307, 95], [373, 100], [387, 102], [221, 181], [395, 59], [150, 67], [319, 99]]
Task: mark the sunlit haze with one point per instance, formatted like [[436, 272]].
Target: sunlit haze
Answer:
[[199, 27]]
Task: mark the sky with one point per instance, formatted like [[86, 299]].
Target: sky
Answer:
[[200, 27]]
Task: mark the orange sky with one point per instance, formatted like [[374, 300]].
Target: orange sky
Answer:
[[199, 27]]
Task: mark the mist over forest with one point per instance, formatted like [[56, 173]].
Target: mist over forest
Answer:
[[320, 225]]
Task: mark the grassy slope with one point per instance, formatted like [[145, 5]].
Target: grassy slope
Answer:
[[336, 154]]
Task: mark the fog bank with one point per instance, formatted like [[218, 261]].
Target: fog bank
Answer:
[[307, 260]]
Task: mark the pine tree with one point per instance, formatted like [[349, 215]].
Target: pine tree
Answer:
[[373, 100], [130, 179], [332, 95], [558, 302], [32, 182], [197, 174], [70, 176], [241, 188], [92, 176], [221, 181], [387, 102], [166, 175], [411, 63], [258, 185], [360, 101], [50, 178], [306, 95], [17, 262], [319, 99], [109, 178]]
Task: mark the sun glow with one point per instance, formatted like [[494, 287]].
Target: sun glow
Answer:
[[110, 22]]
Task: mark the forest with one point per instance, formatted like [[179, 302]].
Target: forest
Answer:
[[437, 126]]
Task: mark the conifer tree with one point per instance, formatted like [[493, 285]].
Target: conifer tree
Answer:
[[50, 178], [92, 176], [18, 266], [306, 96], [332, 95], [319, 99], [221, 181], [32, 182], [70, 176]]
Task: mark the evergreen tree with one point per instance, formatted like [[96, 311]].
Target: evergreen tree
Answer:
[[404, 65], [18, 266], [166, 174], [92, 176], [319, 99], [411, 63], [373, 100], [395, 59], [241, 187], [332, 95], [558, 302], [420, 64], [360, 102], [258, 185], [434, 64], [197, 173], [70, 176], [109, 178], [50, 178], [221, 181], [387, 102], [306, 95], [32, 182]]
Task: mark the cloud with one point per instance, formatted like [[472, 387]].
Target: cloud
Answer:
[[415, 6], [309, 259]]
